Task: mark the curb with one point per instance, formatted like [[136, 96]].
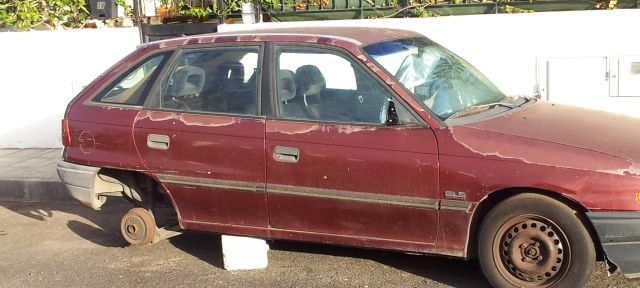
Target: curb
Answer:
[[35, 191]]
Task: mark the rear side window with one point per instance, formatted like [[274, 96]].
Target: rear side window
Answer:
[[131, 87], [213, 80]]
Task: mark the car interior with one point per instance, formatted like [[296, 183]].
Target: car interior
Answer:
[[303, 94], [218, 86]]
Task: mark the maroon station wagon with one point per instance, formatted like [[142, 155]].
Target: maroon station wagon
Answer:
[[364, 137]]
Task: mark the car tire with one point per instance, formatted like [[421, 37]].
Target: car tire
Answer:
[[530, 240], [138, 226]]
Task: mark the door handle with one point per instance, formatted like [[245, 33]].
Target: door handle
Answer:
[[286, 154], [160, 142]]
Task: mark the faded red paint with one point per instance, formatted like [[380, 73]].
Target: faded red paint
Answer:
[[523, 149], [207, 147], [378, 160]]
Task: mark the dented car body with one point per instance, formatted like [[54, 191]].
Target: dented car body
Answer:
[[362, 137]]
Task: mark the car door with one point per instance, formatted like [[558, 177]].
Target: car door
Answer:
[[333, 167], [203, 139]]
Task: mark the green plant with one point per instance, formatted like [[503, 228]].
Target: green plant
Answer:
[[422, 12], [287, 3], [511, 9], [601, 4], [197, 12], [185, 9], [228, 7], [274, 3], [26, 14]]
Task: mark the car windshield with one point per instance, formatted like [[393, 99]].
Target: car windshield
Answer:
[[439, 79]]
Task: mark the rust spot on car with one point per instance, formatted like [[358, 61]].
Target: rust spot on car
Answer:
[[632, 170], [348, 129], [157, 115], [497, 146], [198, 120], [296, 129]]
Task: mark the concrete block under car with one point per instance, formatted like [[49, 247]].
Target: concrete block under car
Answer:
[[244, 253]]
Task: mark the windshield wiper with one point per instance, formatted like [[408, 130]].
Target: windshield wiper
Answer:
[[480, 108]]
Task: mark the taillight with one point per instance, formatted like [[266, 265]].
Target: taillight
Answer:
[[66, 133]]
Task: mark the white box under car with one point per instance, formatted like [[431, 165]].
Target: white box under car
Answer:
[[244, 253]]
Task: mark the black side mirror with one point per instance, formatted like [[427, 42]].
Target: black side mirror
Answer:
[[392, 115]]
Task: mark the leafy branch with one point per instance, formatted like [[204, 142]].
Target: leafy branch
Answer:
[[27, 14]]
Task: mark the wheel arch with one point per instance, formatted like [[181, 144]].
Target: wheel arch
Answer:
[[133, 182], [491, 200], [136, 186]]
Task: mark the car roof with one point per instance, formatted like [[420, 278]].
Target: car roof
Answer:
[[357, 36], [363, 35]]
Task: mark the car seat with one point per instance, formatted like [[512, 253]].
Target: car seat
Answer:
[[186, 84], [187, 81], [309, 83], [233, 94]]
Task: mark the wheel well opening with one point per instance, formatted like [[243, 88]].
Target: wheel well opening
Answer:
[[498, 196], [143, 191]]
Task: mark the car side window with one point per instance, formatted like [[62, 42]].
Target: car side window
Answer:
[[217, 80], [129, 88], [321, 84]]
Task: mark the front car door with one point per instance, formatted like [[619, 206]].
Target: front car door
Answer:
[[203, 139], [335, 172]]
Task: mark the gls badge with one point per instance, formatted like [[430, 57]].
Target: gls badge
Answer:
[[455, 195]]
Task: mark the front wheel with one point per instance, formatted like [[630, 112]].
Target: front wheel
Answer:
[[530, 240]]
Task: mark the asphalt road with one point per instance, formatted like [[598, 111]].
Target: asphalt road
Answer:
[[46, 245]]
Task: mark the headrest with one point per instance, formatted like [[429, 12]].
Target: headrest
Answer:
[[187, 81], [309, 80], [286, 85]]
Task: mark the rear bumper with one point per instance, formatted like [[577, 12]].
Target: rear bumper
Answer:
[[619, 234], [81, 183]]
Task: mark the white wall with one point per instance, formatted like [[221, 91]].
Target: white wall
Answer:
[[43, 70]]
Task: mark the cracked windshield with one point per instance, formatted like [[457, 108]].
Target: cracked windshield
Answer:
[[440, 80]]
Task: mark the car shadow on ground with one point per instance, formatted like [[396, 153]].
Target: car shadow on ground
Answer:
[[452, 272], [204, 246], [103, 229]]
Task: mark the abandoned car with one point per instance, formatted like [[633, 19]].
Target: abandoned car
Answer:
[[364, 137]]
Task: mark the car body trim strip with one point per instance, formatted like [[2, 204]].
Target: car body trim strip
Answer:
[[213, 183], [309, 192], [455, 205], [353, 196]]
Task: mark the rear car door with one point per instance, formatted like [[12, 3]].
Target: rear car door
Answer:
[[333, 167], [202, 137]]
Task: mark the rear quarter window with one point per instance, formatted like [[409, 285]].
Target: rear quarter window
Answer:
[[131, 87]]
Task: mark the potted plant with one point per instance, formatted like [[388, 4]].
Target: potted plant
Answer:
[[189, 14], [165, 9], [229, 10]]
